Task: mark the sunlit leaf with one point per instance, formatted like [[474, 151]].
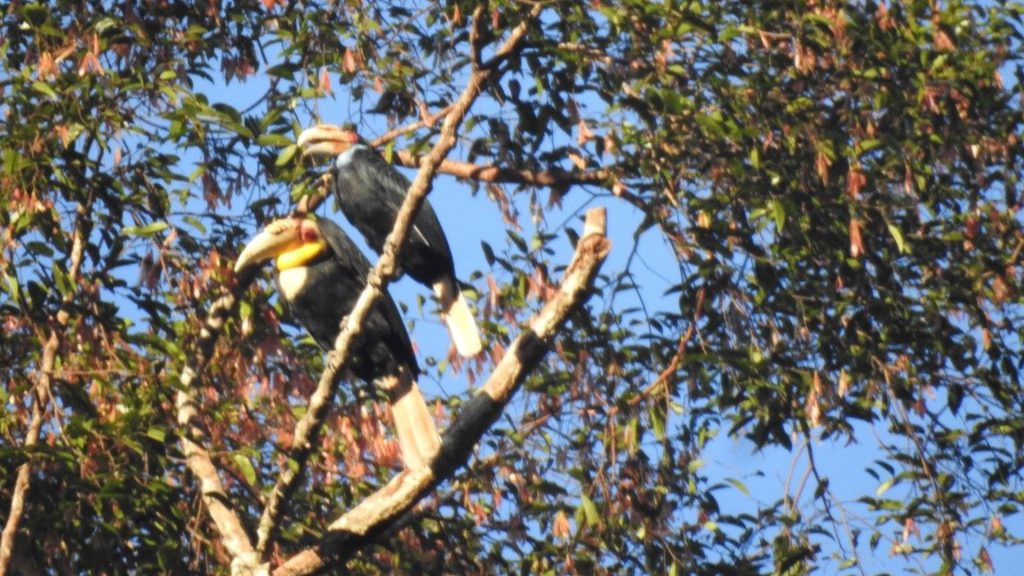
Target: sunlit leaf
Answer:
[[147, 230]]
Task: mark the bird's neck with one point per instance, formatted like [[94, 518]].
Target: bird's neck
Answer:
[[300, 256], [345, 158]]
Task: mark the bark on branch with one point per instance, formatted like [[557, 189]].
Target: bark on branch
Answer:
[[497, 174], [381, 511], [491, 174]]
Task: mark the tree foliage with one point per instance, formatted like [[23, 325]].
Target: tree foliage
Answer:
[[830, 189]]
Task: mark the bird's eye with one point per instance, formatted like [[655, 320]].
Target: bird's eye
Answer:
[[308, 232]]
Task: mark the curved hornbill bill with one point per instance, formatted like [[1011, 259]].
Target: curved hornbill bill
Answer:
[[370, 191], [320, 274]]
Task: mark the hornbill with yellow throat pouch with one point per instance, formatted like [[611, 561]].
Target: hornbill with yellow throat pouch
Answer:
[[320, 274], [370, 192]]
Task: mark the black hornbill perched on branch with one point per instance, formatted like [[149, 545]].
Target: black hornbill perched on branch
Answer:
[[320, 274], [370, 192]]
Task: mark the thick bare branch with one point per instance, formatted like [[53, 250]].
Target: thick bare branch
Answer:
[[379, 513], [40, 400]]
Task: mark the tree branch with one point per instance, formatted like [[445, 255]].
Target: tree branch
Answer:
[[308, 427], [378, 513], [40, 399], [41, 391], [427, 120], [553, 178], [197, 458], [497, 174]]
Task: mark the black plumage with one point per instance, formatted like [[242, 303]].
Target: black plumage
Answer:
[[320, 276], [370, 192], [333, 282]]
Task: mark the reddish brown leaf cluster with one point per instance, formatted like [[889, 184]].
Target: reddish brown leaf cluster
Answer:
[[540, 286]]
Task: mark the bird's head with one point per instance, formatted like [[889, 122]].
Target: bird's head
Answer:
[[327, 140], [292, 242]]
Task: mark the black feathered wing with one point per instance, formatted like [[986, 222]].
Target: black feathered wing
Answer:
[[383, 353], [385, 322], [370, 193]]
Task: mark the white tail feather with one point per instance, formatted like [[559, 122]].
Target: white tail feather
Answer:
[[459, 318], [414, 425]]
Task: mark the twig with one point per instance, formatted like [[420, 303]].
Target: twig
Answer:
[[677, 359], [492, 174], [428, 120], [379, 512], [497, 174], [826, 497]]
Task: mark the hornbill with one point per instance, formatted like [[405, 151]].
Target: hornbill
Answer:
[[320, 274], [370, 192]]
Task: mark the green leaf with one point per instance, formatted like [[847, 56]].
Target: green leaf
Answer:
[[44, 89], [885, 486], [12, 287], [867, 145], [196, 223], [74, 130], [590, 513], [245, 467], [39, 248], [36, 13], [897, 235], [778, 215], [64, 285], [657, 415], [738, 485], [147, 230], [488, 253], [286, 155], [275, 140]]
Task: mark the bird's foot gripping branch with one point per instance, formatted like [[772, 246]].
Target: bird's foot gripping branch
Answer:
[[384, 510]]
